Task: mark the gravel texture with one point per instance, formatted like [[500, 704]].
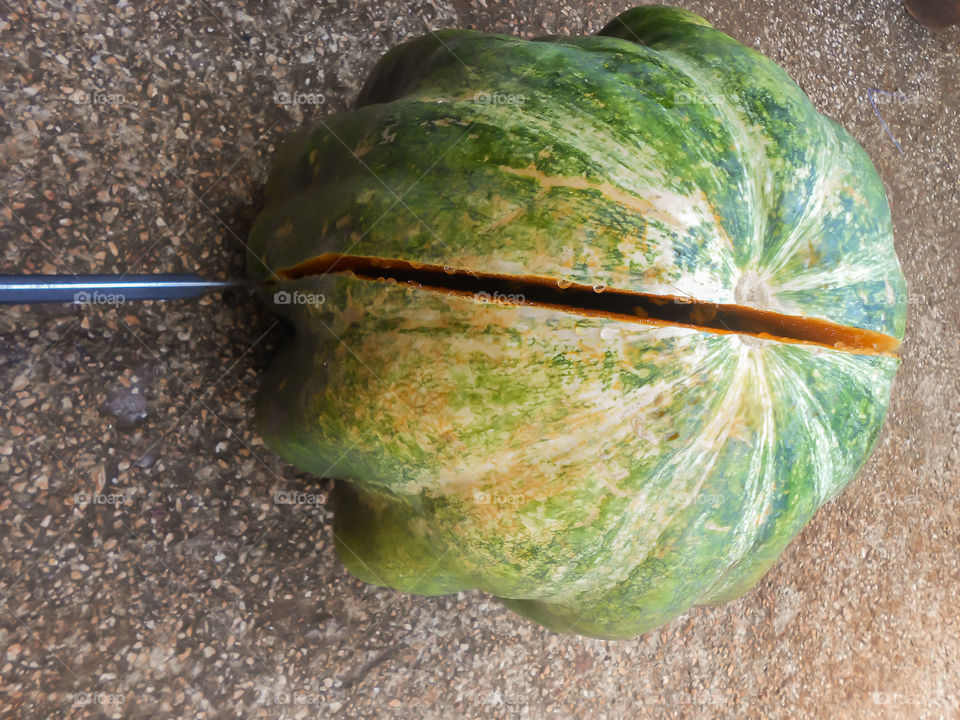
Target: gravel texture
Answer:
[[146, 570]]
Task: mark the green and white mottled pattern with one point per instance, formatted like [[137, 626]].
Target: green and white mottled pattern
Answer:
[[599, 476]]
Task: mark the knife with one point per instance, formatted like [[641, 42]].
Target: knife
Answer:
[[108, 289]]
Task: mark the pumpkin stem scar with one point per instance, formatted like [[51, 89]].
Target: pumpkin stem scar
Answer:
[[579, 299]]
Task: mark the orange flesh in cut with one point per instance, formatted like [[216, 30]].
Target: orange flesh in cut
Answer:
[[623, 305]]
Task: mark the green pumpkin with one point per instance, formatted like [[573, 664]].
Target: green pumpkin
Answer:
[[598, 475]]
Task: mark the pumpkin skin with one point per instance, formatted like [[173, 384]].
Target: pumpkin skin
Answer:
[[598, 476]]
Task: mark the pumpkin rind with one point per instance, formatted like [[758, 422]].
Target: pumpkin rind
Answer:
[[599, 476]]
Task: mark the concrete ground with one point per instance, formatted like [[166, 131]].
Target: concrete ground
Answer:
[[137, 139]]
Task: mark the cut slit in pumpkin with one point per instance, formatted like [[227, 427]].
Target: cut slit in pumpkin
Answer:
[[623, 305]]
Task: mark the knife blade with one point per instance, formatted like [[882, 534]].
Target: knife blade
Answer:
[[108, 289]]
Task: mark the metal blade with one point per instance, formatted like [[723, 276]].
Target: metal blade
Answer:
[[107, 289]]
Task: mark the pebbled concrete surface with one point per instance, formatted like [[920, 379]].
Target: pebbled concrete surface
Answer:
[[145, 569]]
